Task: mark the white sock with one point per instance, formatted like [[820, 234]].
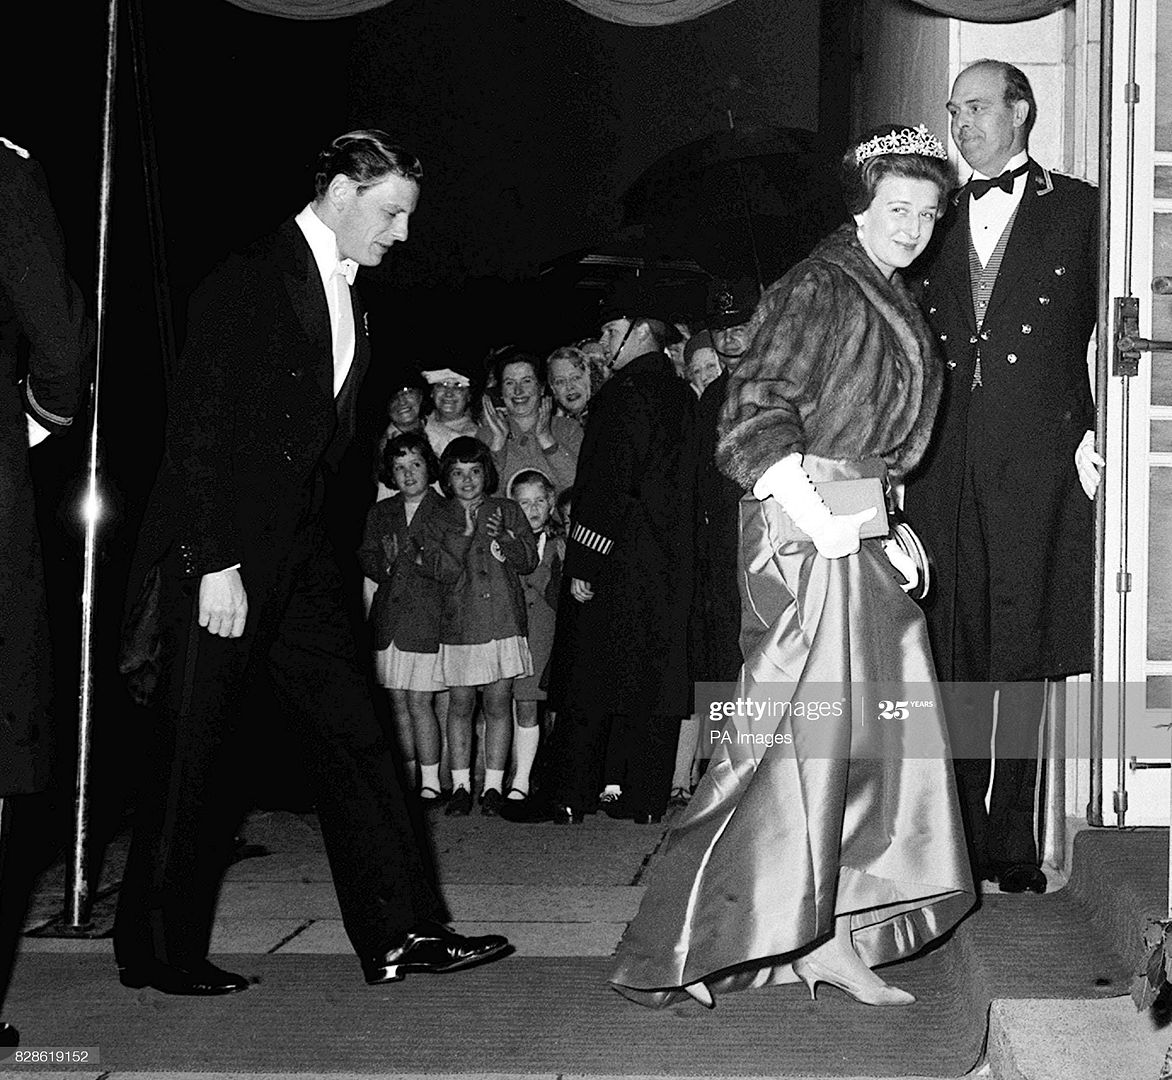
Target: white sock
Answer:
[[525, 740], [429, 778], [612, 789], [494, 780], [686, 752], [462, 778]]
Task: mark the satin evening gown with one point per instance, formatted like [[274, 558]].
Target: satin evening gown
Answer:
[[855, 815]]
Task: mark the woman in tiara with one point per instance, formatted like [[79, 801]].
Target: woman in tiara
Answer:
[[824, 839]]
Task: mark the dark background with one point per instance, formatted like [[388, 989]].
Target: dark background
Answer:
[[531, 117]]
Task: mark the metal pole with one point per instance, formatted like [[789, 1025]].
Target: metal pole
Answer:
[[1102, 362], [1123, 586], [77, 898]]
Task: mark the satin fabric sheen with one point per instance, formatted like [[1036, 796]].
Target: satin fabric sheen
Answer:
[[858, 815]]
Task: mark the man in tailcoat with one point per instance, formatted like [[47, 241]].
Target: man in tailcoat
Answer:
[[44, 339], [234, 556], [629, 570], [1003, 497]]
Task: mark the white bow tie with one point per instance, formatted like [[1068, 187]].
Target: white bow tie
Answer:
[[348, 268]]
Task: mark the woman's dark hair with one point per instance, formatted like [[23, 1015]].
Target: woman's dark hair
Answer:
[[468, 450], [860, 181], [517, 356], [367, 157], [410, 442]]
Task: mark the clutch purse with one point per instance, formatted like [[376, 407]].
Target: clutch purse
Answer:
[[858, 493], [913, 547]]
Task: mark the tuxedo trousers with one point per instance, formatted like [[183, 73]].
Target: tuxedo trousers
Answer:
[[1003, 833], [299, 639]]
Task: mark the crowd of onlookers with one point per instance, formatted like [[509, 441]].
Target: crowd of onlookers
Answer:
[[463, 553]]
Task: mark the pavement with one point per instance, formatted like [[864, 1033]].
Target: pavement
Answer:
[[554, 891]]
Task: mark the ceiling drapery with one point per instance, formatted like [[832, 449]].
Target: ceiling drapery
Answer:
[[663, 12], [993, 11], [630, 12], [310, 9]]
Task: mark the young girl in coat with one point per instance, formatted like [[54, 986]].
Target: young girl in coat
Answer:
[[405, 612], [478, 548], [534, 492]]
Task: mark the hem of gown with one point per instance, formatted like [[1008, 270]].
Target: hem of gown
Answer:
[[881, 942]]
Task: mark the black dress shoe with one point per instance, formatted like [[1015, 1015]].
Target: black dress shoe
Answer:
[[9, 1036], [531, 809], [490, 802], [1021, 877], [431, 948], [200, 980], [460, 804]]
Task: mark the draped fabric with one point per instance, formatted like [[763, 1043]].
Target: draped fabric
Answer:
[[310, 9], [662, 12], [630, 12], [993, 11], [648, 12]]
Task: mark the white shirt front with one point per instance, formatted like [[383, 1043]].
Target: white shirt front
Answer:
[[324, 245], [989, 214]]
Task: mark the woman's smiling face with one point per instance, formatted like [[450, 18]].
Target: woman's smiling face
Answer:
[[570, 384], [520, 389], [898, 224]]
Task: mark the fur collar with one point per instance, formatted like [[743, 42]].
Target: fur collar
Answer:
[[893, 302]]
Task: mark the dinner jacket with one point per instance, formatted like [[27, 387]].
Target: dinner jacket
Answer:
[[254, 428]]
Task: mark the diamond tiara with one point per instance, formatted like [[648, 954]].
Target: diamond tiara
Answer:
[[917, 140]]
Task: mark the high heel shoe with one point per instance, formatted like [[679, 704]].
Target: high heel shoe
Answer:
[[698, 991], [812, 973]]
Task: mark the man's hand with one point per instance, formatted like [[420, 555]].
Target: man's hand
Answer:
[[223, 606], [581, 590], [1088, 463]]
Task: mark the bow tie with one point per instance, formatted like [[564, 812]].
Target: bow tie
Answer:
[[348, 268], [977, 188]]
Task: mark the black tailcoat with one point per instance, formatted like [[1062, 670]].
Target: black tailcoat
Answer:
[[44, 338], [252, 432], [1036, 406]]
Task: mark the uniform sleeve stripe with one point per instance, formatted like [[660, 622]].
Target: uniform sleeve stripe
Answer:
[[593, 540]]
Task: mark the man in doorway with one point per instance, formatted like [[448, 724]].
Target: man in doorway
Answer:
[[236, 555], [1003, 496]]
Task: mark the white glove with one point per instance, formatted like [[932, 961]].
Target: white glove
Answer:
[[903, 563], [834, 535], [1088, 463]]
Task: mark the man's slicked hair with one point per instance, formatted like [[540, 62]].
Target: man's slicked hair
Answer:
[[367, 157]]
